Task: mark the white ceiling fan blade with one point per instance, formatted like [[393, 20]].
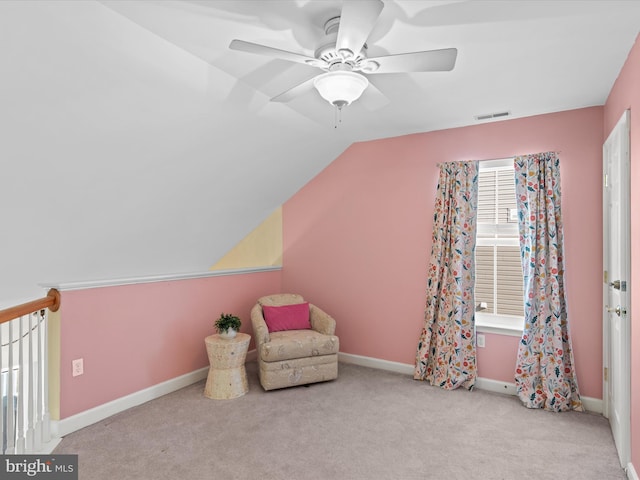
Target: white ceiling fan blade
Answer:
[[296, 91], [356, 22], [429, 61], [258, 49], [373, 99]]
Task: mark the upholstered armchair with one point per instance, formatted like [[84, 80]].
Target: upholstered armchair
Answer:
[[295, 342]]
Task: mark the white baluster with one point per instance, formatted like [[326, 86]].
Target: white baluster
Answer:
[[37, 383], [29, 392], [46, 433], [20, 440], [10, 396]]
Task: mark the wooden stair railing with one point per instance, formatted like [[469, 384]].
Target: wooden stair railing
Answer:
[[51, 301], [24, 423]]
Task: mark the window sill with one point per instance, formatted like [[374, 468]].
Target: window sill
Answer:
[[501, 325], [499, 330]]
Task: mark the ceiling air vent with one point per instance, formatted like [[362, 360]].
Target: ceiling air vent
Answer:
[[489, 116]]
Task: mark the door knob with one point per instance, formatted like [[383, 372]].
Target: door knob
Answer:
[[617, 310]]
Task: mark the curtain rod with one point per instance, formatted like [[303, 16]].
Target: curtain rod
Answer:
[[499, 158]]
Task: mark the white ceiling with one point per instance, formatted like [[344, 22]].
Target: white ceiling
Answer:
[[141, 145], [527, 57]]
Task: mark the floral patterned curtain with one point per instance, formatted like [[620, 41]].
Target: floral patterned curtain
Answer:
[[545, 375], [446, 354]]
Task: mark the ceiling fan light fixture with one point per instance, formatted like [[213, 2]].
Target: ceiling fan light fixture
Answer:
[[340, 88]]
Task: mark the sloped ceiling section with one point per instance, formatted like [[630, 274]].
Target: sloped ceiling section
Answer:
[[125, 155]]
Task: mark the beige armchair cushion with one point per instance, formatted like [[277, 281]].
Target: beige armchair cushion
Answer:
[[292, 344]]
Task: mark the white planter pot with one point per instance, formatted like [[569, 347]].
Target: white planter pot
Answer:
[[229, 334]]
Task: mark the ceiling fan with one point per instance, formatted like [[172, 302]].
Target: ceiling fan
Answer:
[[343, 56]]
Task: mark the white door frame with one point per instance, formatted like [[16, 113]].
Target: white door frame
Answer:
[[623, 440]]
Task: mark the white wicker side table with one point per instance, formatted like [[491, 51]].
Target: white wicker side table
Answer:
[[227, 376]]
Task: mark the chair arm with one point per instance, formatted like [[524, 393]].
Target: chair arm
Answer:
[[321, 321], [260, 330]]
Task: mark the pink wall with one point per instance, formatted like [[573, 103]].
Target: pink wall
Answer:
[[626, 94], [132, 337], [497, 360], [357, 238]]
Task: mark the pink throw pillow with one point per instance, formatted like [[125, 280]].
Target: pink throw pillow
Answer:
[[287, 317]]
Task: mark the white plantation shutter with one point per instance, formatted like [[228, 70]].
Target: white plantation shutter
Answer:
[[498, 269], [485, 276], [509, 281]]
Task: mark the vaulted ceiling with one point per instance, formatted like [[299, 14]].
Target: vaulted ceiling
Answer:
[[135, 142]]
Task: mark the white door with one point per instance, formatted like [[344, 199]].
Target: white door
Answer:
[[616, 257]]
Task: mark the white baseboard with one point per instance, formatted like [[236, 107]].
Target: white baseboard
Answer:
[[593, 405], [590, 404], [60, 428], [495, 386], [371, 362], [631, 472], [47, 448]]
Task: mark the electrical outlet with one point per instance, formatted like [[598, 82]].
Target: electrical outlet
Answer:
[[480, 340], [77, 367]]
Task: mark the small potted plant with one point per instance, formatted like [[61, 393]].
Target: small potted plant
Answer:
[[228, 325]]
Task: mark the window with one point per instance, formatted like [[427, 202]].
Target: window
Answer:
[[499, 279]]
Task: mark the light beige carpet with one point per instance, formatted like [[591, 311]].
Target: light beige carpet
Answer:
[[367, 424]]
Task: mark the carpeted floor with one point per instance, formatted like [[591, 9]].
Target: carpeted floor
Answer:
[[367, 424]]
